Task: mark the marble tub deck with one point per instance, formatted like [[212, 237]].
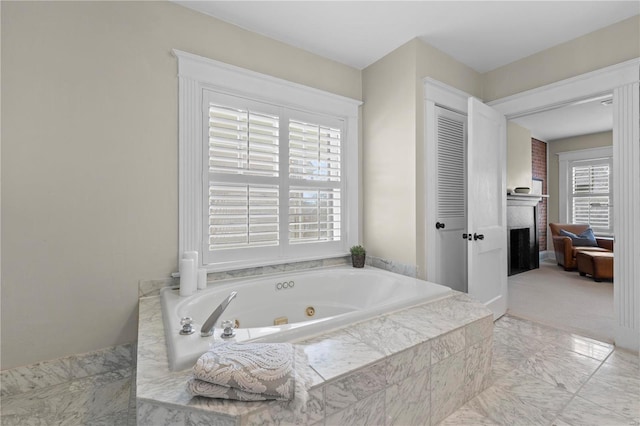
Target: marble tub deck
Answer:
[[414, 366]]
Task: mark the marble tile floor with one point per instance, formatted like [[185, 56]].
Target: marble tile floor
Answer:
[[540, 376], [545, 376]]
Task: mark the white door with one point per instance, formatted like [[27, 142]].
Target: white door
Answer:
[[450, 221], [487, 207]]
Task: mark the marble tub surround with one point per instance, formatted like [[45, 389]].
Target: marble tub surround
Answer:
[[90, 388], [392, 266], [379, 371], [544, 376], [148, 288]]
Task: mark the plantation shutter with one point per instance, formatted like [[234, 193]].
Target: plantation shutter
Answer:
[[242, 216], [244, 163], [450, 135], [274, 181], [591, 194], [315, 177], [243, 142]]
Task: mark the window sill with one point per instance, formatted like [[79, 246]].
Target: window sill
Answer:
[[237, 266]]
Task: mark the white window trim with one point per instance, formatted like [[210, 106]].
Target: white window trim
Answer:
[[564, 160], [195, 74]]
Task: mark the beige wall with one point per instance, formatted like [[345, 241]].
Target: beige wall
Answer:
[[595, 140], [389, 152], [89, 168], [393, 147], [518, 156], [89, 164], [611, 45], [433, 63], [436, 64]]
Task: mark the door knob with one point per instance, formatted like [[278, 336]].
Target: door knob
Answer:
[[478, 236], [439, 225], [466, 237]]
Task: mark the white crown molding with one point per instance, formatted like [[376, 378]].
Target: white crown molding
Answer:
[[570, 90], [586, 154], [445, 95], [230, 78]]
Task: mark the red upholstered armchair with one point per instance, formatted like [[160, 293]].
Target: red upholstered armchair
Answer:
[[564, 248]]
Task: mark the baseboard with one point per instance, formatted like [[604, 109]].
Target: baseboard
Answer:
[[627, 338], [549, 256]]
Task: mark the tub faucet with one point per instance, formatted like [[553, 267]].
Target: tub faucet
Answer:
[[209, 324]]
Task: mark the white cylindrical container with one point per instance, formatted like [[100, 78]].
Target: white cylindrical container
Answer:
[[188, 279], [202, 279], [192, 255]]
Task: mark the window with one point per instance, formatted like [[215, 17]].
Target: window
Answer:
[[591, 194], [275, 167], [587, 177]]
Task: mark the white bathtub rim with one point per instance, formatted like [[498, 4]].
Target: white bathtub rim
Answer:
[[181, 358]]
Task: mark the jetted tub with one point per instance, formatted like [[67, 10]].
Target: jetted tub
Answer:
[[311, 301]]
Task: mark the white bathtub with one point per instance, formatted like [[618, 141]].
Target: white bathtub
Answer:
[[339, 296]]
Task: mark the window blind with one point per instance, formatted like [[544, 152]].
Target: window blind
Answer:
[[315, 158], [314, 215], [591, 194], [243, 142], [247, 191], [314, 152], [243, 216]]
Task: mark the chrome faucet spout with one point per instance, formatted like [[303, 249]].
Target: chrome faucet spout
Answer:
[[209, 324]]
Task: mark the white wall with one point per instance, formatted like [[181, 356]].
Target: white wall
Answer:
[[89, 168], [518, 156]]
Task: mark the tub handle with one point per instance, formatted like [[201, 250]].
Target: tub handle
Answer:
[[187, 326], [227, 331]]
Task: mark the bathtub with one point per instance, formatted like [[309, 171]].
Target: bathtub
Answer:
[[301, 303]]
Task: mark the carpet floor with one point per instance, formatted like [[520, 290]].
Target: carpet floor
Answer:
[[565, 300]]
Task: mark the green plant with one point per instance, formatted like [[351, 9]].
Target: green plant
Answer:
[[358, 251]]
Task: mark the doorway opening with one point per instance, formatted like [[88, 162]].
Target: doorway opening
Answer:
[[549, 295], [621, 80]]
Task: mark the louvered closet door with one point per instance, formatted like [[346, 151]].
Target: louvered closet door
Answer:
[[451, 252]]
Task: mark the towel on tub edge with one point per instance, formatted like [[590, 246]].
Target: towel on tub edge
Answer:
[[252, 372]]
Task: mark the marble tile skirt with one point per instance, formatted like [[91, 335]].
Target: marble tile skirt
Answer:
[[84, 389]]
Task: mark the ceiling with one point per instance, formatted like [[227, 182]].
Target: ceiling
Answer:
[[579, 119], [484, 35], [481, 34]]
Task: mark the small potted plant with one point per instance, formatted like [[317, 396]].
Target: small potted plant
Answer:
[[358, 254]]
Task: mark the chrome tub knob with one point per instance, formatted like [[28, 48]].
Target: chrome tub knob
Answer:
[[187, 326]]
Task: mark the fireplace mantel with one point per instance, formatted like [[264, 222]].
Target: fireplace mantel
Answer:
[[524, 199]]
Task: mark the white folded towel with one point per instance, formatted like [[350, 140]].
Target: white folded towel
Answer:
[[252, 372]]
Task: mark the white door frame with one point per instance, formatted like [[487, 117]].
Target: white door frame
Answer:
[[623, 81], [440, 94]]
